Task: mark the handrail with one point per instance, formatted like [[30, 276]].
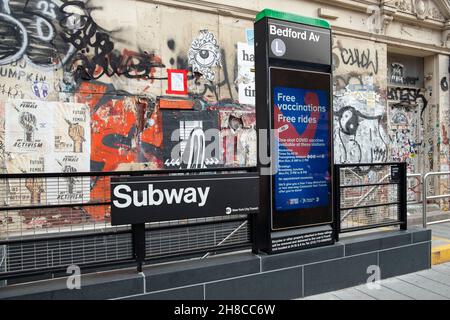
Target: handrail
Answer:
[[425, 197], [411, 175], [378, 218]]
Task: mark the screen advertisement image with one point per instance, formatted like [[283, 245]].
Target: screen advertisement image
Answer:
[[302, 123]]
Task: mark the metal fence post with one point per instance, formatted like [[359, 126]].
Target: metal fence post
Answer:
[[138, 234], [424, 200], [337, 201], [403, 198]]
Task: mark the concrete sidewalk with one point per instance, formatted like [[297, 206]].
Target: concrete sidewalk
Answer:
[[433, 284]]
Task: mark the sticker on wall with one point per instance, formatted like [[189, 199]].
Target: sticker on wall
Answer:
[[177, 81], [250, 35], [72, 127], [40, 89], [28, 126], [204, 54]]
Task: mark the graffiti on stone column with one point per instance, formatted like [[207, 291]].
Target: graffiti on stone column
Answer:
[[359, 103], [359, 137], [365, 59], [407, 107]]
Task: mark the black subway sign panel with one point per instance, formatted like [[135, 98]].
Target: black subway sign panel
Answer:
[[297, 42], [294, 100], [137, 200]]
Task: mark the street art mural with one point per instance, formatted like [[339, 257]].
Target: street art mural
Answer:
[[83, 88], [204, 54], [406, 113]]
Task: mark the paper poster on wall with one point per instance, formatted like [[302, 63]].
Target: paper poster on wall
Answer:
[[27, 191], [69, 189], [28, 126], [250, 36], [247, 93], [238, 137], [72, 127], [189, 142], [246, 73], [177, 81]]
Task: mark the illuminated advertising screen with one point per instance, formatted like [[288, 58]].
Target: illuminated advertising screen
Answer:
[[302, 123]]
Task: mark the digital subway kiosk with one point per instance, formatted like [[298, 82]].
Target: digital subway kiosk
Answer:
[[294, 119]]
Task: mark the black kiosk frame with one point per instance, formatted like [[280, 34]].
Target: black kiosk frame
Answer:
[[294, 120]]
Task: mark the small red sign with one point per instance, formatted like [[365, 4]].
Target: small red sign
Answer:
[[177, 81]]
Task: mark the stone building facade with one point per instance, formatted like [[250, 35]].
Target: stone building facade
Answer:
[[118, 85]]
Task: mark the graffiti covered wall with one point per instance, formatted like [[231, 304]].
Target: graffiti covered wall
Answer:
[[94, 85], [116, 85], [360, 128], [77, 78]]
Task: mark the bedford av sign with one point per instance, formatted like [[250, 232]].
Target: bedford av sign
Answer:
[[297, 42], [290, 33], [136, 200]]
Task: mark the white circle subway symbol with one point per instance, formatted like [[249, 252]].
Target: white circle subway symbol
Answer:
[[278, 47]]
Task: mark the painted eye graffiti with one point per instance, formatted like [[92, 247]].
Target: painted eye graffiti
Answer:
[[204, 54]]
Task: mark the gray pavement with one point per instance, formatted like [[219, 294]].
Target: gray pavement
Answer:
[[441, 234], [433, 284]]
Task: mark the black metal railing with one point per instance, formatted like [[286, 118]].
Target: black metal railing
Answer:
[[369, 196], [50, 221]]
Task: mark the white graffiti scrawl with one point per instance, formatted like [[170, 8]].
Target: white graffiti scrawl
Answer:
[[204, 54]]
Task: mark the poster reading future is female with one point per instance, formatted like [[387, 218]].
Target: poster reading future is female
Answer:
[[72, 128], [28, 127]]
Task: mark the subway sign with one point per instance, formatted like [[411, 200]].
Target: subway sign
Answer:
[[137, 200], [294, 101], [297, 42]]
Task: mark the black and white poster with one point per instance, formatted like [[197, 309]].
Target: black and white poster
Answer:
[[28, 126], [191, 139]]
